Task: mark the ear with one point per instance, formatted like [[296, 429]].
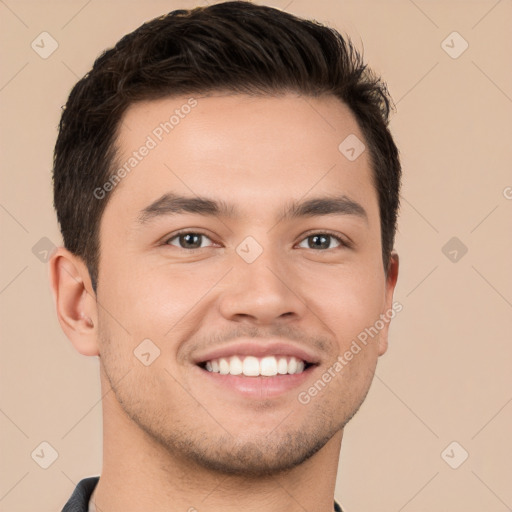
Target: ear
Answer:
[[390, 310], [75, 300]]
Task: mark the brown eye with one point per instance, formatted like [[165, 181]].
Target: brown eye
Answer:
[[188, 240], [322, 241]]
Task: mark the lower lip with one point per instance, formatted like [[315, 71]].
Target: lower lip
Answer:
[[259, 387]]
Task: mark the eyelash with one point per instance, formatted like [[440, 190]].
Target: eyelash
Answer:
[[343, 243]]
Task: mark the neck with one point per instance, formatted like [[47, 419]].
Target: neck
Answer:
[[140, 474]]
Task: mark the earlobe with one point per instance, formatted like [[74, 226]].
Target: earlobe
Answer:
[[391, 279], [75, 300], [383, 343]]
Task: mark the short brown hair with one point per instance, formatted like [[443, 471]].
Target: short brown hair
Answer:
[[237, 47]]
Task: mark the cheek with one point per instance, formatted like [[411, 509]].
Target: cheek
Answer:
[[136, 291], [154, 300], [348, 300]]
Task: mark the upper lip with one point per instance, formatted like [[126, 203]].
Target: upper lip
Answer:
[[258, 349]]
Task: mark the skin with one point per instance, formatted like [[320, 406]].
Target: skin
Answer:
[[173, 441]]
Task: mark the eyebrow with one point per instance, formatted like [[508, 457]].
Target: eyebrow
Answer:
[[173, 204]]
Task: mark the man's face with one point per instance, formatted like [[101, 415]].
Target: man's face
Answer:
[[249, 274]]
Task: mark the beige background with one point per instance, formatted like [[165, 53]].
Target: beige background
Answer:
[[447, 375]]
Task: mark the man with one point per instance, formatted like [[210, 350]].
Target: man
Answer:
[[227, 189]]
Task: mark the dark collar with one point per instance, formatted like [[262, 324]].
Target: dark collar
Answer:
[[79, 500]]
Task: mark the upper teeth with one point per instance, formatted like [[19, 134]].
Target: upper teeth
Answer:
[[253, 366]]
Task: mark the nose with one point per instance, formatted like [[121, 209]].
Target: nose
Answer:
[[263, 292]]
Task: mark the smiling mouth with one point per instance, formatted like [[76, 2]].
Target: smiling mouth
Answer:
[[252, 366]]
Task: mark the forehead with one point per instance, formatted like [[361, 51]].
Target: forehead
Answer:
[[255, 150]]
